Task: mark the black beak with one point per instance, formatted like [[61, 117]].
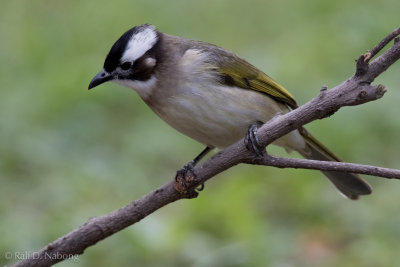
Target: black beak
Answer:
[[101, 77]]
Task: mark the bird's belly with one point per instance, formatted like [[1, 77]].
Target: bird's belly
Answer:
[[220, 116]]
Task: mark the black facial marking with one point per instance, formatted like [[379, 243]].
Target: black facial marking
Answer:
[[140, 70], [126, 65], [117, 50]]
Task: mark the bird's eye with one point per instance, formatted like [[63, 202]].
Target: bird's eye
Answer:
[[126, 65]]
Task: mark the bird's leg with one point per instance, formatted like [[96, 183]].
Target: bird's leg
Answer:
[[183, 174], [251, 140]]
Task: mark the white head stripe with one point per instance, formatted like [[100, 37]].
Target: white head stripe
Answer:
[[139, 44]]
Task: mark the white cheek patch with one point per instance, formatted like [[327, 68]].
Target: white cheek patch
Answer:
[[139, 44], [150, 62]]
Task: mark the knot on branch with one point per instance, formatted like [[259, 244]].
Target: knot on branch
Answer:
[[380, 90], [322, 91], [323, 88], [369, 93], [362, 64], [362, 95]]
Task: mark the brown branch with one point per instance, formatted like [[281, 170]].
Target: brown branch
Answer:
[[363, 60], [374, 51], [96, 229], [354, 91], [278, 162]]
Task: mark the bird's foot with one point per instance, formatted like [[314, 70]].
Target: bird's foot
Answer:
[[251, 140], [184, 178]]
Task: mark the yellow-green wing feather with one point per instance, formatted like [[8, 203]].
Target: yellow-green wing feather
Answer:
[[235, 71]]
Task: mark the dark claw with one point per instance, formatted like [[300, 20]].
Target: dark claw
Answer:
[[184, 173], [200, 188], [185, 176], [251, 140], [187, 168]]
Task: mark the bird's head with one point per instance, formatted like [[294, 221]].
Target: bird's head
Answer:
[[132, 60]]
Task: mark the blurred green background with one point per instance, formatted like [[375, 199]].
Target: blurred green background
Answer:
[[67, 154]]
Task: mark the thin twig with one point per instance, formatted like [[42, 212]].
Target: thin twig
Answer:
[[279, 162], [362, 62], [374, 51]]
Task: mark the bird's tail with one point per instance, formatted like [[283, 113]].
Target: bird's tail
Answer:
[[349, 184]]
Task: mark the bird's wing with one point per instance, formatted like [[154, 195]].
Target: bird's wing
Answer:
[[234, 71]]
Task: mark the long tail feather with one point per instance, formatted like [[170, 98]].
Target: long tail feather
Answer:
[[349, 184]]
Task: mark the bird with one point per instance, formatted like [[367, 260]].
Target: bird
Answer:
[[210, 95]]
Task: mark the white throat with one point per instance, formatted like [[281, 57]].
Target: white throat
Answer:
[[143, 88]]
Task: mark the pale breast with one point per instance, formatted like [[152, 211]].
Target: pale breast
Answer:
[[211, 113], [219, 116]]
